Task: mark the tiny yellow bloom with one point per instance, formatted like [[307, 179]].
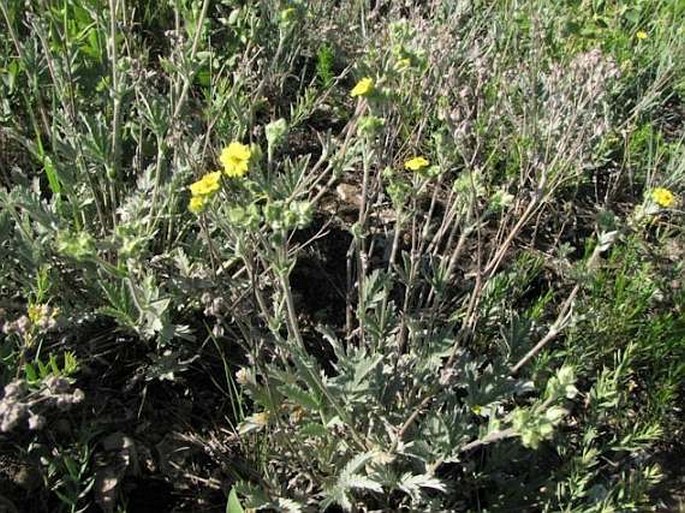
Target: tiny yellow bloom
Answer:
[[403, 64], [36, 313], [208, 184], [235, 158], [261, 418], [663, 197], [363, 88], [197, 204], [641, 35], [416, 163], [288, 14]]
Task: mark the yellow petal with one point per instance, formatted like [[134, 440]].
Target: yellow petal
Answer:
[[663, 197], [208, 184], [363, 88], [416, 163], [235, 159], [197, 204]]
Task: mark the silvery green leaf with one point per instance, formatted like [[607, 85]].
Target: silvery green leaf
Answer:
[[412, 484], [364, 483], [288, 506], [606, 239]]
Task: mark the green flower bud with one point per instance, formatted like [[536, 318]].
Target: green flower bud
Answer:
[[275, 134]]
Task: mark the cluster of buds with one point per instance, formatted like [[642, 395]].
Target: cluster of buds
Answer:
[[43, 317], [57, 391], [20, 326], [12, 407], [39, 319], [19, 403]]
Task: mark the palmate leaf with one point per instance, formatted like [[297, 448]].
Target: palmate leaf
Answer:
[[354, 465], [287, 506], [313, 429], [350, 479], [256, 499], [364, 483], [305, 399], [374, 290], [121, 306], [337, 496], [308, 370], [330, 337], [363, 368], [412, 484]]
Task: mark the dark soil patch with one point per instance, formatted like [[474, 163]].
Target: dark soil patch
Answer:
[[319, 277], [669, 495]]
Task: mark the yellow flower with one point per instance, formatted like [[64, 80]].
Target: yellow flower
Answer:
[[663, 197], [208, 184], [416, 163], [235, 158], [363, 88], [36, 313], [641, 35], [197, 204], [403, 64]]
